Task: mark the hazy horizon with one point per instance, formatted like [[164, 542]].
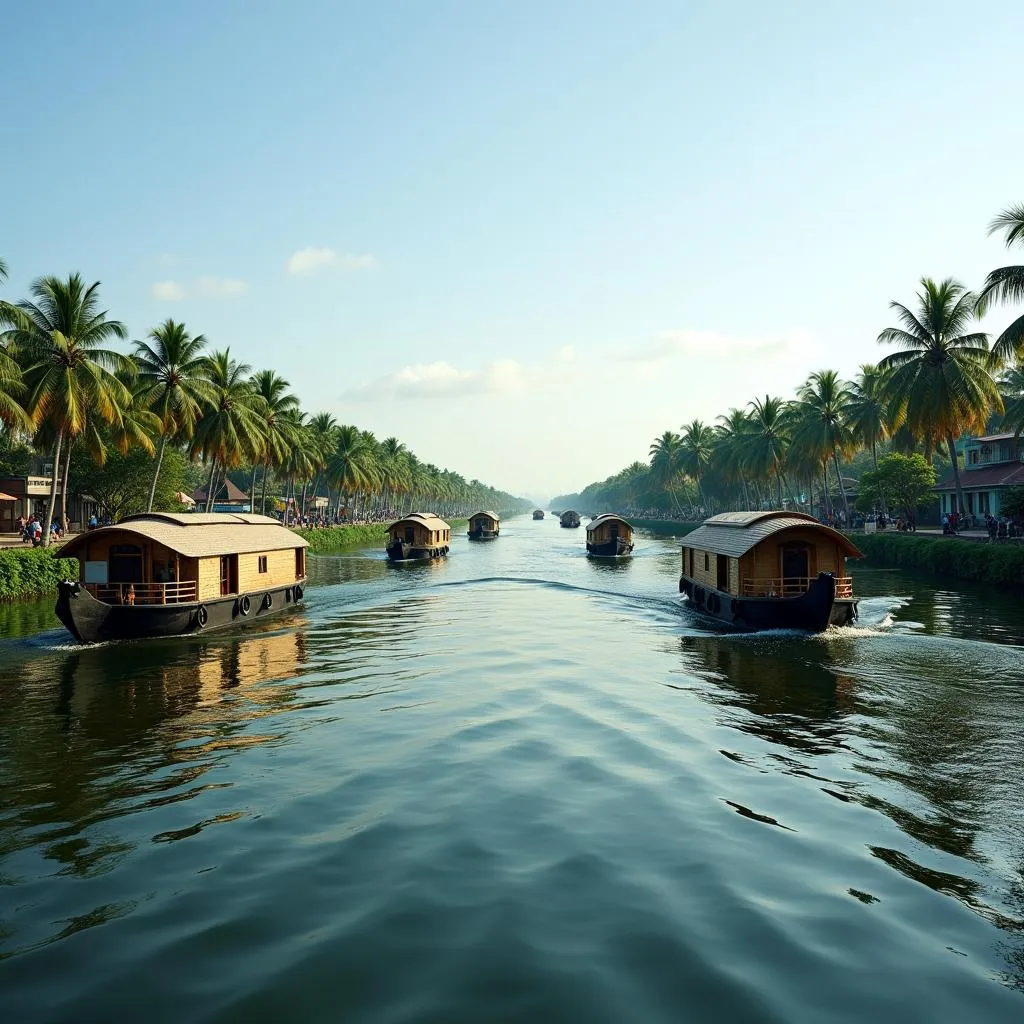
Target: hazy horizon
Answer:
[[524, 239]]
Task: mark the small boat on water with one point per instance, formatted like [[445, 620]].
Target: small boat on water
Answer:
[[538, 513], [418, 536], [609, 536], [166, 574], [569, 519], [769, 570], [483, 526]]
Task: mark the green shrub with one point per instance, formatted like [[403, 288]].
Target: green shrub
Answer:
[[946, 556], [339, 538], [32, 572]]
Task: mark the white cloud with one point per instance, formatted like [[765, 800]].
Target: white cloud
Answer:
[[566, 354], [716, 345], [442, 380], [315, 257], [168, 291], [221, 286]]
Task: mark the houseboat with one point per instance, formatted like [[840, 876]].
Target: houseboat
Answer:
[[569, 518], [609, 536], [165, 574], [483, 526], [538, 513], [769, 570], [419, 535]]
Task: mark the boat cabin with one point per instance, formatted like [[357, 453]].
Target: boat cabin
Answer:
[[569, 518], [766, 554], [609, 534], [163, 558], [483, 525], [421, 530]]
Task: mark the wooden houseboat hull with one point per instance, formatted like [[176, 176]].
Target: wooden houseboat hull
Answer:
[[91, 621], [400, 551], [538, 515], [618, 547], [483, 534], [812, 611]]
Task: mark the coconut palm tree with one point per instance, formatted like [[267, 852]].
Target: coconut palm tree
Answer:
[[1006, 284], [351, 466], [275, 402], [230, 429], [666, 461], [1011, 387], [172, 381], [60, 335], [942, 367], [697, 447], [323, 427], [820, 424], [766, 444]]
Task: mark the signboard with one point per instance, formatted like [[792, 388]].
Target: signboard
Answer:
[[95, 572]]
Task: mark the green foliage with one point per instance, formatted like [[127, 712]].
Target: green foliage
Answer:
[[32, 572], [339, 538], [121, 485], [955, 557], [15, 455], [901, 482], [1011, 501]]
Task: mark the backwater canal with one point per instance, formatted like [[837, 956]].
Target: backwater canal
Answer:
[[518, 785]]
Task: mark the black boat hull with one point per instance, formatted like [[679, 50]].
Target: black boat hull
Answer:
[[617, 548], [811, 612], [91, 621], [400, 551], [483, 534]]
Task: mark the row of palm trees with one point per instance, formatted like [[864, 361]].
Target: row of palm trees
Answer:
[[63, 383], [943, 380]]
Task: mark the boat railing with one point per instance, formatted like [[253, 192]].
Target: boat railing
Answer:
[[180, 592], [791, 586]]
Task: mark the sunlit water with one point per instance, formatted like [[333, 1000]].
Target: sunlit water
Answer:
[[518, 785]]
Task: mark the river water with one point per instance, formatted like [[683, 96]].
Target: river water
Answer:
[[518, 785]]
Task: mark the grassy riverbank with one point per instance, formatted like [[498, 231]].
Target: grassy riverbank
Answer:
[[946, 556], [26, 573], [340, 538], [664, 527]]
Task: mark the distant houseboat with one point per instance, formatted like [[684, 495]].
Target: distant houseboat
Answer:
[[483, 526], [570, 519], [609, 536], [538, 513], [164, 574], [769, 570], [419, 535]]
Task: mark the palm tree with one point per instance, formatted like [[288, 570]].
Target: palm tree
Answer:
[[766, 445], [942, 368], [60, 338], [230, 428], [732, 428], [666, 461], [1006, 285], [172, 381], [1011, 387], [323, 427], [274, 401], [697, 446], [351, 466], [821, 425]]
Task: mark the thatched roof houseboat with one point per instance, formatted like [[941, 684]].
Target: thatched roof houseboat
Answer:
[[609, 536], [569, 519], [538, 513], [419, 535], [769, 570], [163, 574], [483, 526]]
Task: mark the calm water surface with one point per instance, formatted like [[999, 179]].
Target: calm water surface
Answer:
[[518, 786]]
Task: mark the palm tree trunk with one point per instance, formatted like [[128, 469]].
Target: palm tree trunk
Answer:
[[252, 488], [209, 485], [52, 504], [951, 441], [263, 496], [842, 486], [64, 487], [881, 493], [156, 472]]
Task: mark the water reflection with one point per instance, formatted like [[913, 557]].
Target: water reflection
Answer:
[[119, 733]]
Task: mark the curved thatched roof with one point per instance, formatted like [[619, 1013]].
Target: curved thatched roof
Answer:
[[197, 535], [493, 516], [427, 519], [607, 517], [736, 533]]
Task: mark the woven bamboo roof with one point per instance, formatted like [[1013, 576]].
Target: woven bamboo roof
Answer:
[[427, 519], [198, 535], [493, 516], [736, 533], [607, 517]]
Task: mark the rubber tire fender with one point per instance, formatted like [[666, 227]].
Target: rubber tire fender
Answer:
[[268, 600], [244, 604], [202, 616], [298, 592]]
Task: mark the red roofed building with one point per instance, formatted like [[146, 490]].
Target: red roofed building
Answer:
[[992, 464]]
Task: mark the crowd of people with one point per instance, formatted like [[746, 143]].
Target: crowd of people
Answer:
[[31, 530]]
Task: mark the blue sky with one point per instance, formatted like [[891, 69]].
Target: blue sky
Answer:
[[523, 237]]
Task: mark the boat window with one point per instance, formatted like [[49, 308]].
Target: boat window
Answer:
[[300, 563], [707, 562], [262, 563]]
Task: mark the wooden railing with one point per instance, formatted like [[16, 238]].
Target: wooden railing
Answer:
[[143, 593], [791, 586]]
